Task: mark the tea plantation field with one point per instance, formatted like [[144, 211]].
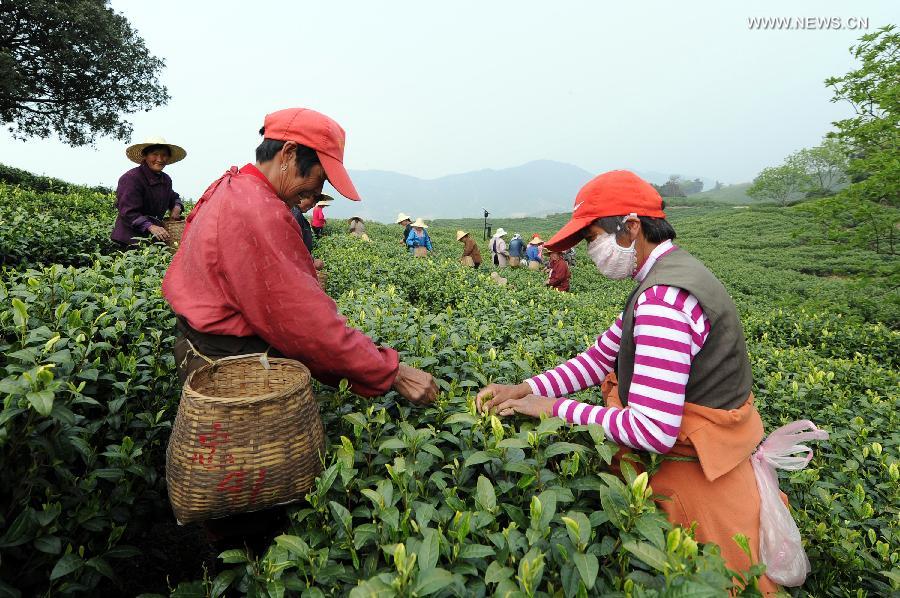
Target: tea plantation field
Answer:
[[439, 501]]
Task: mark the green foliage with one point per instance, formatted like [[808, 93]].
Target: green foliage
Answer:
[[65, 227], [442, 500], [780, 183], [72, 68], [88, 399], [16, 176]]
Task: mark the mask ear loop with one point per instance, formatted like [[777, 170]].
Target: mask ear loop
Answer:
[[632, 216]]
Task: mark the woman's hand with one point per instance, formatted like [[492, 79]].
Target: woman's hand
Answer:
[[533, 405], [176, 212], [495, 394], [416, 386], [159, 232]]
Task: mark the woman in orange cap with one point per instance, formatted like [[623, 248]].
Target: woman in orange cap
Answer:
[[662, 394]]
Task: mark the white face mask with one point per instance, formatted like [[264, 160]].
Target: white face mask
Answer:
[[613, 260]]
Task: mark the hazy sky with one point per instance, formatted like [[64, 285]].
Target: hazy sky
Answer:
[[433, 88]]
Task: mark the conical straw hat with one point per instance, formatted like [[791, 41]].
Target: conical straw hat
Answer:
[[460, 234], [133, 152]]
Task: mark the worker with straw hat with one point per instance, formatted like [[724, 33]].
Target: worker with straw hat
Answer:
[[418, 241], [471, 254], [406, 222], [243, 282], [144, 194], [533, 253], [318, 217], [499, 253]]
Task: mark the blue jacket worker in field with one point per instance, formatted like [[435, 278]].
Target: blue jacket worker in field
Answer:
[[533, 252], [673, 368], [418, 241], [144, 194], [516, 250]]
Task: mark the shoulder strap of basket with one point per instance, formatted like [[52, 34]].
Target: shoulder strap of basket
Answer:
[[263, 357]]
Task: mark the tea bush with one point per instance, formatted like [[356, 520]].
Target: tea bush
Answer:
[[436, 501]]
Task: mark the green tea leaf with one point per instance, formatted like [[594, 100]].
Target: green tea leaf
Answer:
[[432, 580], [588, 566], [485, 495]]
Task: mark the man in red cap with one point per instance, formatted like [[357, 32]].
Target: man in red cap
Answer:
[[662, 393], [243, 281]]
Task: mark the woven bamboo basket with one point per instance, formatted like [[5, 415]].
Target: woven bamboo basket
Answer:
[[514, 262], [534, 265], [175, 228], [420, 252], [467, 260], [245, 438]]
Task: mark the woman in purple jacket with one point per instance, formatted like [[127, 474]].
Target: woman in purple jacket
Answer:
[[145, 194]]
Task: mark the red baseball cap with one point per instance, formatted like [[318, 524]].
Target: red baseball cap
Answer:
[[316, 131], [614, 193]]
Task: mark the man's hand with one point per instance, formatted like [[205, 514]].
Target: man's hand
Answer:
[[416, 386], [159, 232], [318, 264], [495, 394]]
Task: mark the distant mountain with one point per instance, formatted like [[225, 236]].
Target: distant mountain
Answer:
[[534, 189]]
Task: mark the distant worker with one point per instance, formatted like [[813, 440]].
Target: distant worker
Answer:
[[471, 253], [406, 222], [418, 241], [306, 233], [540, 246], [499, 253], [358, 228], [318, 219], [516, 250], [533, 253], [559, 272], [145, 194]]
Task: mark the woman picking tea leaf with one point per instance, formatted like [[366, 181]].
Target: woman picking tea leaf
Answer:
[[674, 369]]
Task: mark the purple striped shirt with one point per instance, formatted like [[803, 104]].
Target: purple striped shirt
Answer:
[[669, 330]]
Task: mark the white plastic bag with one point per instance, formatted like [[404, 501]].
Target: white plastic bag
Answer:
[[780, 549]]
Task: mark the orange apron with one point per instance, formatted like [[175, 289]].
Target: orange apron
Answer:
[[718, 491]]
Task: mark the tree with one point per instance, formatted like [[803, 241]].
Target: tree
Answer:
[[691, 187], [779, 183], [73, 68], [825, 166], [868, 209]]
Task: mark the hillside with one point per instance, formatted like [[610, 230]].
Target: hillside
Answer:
[[735, 194], [532, 189]]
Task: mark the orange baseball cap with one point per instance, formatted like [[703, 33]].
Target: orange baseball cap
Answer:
[[316, 131], [614, 193]]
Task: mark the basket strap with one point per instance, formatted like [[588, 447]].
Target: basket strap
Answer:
[[263, 357]]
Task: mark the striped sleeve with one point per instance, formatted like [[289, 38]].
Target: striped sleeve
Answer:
[[669, 330], [583, 371]]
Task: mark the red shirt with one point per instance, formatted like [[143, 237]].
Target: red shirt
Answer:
[[559, 275], [243, 270], [318, 219]]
